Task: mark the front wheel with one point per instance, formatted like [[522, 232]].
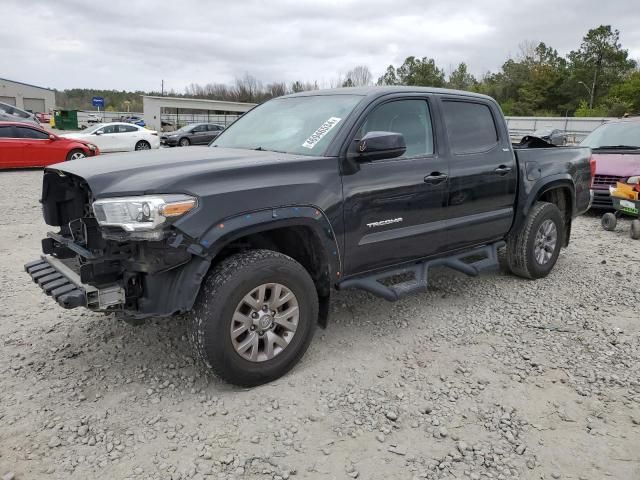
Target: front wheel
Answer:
[[184, 142], [76, 154], [609, 221], [143, 145], [533, 251], [254, 317]]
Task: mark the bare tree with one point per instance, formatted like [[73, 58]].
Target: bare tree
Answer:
[[359, 76], [276, 89]]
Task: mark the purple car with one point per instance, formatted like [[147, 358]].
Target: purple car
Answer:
[[616, 150]]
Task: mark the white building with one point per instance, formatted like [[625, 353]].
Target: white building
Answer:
[[27, 97]]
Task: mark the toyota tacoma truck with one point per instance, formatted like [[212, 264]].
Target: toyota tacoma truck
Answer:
[[307, 193]]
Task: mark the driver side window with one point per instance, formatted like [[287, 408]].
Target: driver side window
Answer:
[[411, 118]]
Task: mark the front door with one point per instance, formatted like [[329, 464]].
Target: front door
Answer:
[[393, 208], [482, 172]]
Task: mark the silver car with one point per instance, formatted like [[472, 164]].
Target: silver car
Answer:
[[551, 135], [9, 113]]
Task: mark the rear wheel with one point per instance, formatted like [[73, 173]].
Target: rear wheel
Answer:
[[143, 145], [76, 154], [635, 229], [254, 317], [533, 251], [609, 221], [184, 142]]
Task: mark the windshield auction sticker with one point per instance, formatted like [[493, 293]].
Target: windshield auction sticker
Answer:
[[321, 132]]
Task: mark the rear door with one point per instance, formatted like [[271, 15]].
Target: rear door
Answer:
[[393, 208], [128, 136], [11, 147], [482, 172], [212, 132]]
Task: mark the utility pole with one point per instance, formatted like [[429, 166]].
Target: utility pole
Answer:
[[590, 91], [162, 89]]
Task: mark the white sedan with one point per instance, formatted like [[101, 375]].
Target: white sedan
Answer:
[[118, 137]]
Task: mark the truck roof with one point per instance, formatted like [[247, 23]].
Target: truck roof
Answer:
[[376, 91]]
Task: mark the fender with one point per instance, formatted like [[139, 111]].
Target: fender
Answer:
[[222, 233], [533, 190]]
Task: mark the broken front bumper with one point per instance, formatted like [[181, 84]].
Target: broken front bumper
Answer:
[[64, 285]]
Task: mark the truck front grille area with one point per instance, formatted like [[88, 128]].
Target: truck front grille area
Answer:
[[606, 180]]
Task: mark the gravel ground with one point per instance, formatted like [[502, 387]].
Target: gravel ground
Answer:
[[491, 377]]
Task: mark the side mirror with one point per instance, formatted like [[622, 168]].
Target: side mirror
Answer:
[[98, 132], [52, 137], [380, 146]]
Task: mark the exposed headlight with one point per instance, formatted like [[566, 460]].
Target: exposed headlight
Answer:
[[144, 216], [92, 147], [635, 180]]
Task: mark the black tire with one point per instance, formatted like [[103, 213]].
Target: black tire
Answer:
[[521, 246], [635, 229], [221, 292], [143, 145], [609, 221], [76, 154], [184, 142]]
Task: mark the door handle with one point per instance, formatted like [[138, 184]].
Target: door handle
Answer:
[[435, 178], [502, 170]]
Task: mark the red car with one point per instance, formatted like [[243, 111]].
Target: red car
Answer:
[[24, 145], [616, 151]]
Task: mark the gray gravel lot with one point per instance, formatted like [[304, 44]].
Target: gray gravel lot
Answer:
[[491, 377]]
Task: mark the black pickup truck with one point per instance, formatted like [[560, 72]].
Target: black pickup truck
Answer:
[[348, 188]]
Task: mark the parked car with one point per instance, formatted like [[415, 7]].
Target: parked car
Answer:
[[9, 113], [616, 150], [551, 135], [194, 134], [25, 145], [118, 137], [135, 120], [93, 118], [43, 117], [305, 193]]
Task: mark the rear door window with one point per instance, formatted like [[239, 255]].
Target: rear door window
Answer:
[[127, 128], [470, 126]]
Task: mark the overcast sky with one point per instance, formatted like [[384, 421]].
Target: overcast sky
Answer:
[[134, 44]]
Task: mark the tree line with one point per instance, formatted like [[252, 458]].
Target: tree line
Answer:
[[596, 79]]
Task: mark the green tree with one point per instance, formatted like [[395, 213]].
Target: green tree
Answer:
[[599, 63], [416, 72], [461, 79], [629, 92]]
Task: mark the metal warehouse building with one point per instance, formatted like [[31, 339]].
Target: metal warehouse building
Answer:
[[27, 97]]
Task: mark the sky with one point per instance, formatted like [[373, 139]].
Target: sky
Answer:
[[135, 44]]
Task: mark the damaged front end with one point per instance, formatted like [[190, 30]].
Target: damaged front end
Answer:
[[119, 255]]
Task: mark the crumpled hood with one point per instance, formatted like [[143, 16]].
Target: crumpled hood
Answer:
[[184, 170], [618, 164]]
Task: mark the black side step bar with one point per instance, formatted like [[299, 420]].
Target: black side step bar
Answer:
[[372, 283]]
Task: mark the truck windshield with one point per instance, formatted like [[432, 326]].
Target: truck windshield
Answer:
[[612, 135], [299, 125]]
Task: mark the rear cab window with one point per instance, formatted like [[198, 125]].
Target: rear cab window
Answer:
[[471, 126]]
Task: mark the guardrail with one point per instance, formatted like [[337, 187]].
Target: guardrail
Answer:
[[576, 128]]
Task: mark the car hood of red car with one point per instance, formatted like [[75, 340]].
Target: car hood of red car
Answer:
[[617, 164]]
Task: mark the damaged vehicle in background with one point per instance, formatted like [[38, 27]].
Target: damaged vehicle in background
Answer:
[[616, 151], [348, 188]]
